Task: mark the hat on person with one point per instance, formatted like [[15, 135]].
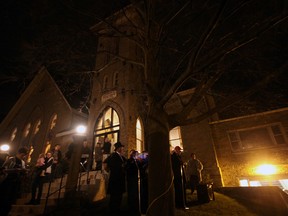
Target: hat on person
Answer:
[[23, 150], [178, 148], [118, 145]]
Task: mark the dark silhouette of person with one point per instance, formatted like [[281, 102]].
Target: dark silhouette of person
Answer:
[[116, 164], [38, 177], [179, 178], [133, 174], [98, 156], [107, 146], [10, 188], [85, 156], [144, 159], [57, 159]]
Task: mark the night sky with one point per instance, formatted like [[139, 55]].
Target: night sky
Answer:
[[25, 24]]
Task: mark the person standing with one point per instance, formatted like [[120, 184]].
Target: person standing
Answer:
[[107, 146], [98, 156], [37, 181], [116, 185], [57, 157], [11, 187], [133, 176], [144, 160], [48, 166], [85, 156], [193, 169], [179, 178]]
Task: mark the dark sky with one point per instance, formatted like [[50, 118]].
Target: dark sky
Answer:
[[22, 22]]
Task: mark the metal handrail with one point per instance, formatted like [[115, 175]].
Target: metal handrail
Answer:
[[61, 187]]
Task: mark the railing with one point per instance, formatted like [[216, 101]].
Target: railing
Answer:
[[86, 172]]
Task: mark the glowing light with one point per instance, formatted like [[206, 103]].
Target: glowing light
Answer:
[[4, 147], [244, 183], [81, 129], [255, 183], [266, 169]]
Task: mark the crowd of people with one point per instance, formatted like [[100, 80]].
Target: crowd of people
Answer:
[[125, 175], [14, 174]]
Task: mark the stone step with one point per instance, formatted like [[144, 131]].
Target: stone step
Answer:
[[93, 188], [32, 210], [50, 201]]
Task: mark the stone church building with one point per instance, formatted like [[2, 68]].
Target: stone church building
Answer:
[[38, 116], [230, 149]]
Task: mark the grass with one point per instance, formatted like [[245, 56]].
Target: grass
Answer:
[[230, 202], [222, 205]]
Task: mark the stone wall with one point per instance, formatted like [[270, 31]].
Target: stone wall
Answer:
[[237, 164]]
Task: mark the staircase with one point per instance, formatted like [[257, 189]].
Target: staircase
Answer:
[[94, 188]]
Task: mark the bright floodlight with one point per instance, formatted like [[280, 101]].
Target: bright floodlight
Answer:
[[266, 169], [81, 129], [4, 147]]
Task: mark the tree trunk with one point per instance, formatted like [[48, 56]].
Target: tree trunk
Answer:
[[161, 189]]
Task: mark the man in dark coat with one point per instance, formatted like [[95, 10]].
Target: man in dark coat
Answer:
[[179, 178], [116, 186]]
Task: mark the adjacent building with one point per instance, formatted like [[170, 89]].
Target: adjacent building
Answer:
[[38, 116]]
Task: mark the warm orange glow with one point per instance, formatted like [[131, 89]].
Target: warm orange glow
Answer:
[[266, 169]]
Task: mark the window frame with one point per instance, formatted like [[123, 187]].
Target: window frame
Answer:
[[270, 133]]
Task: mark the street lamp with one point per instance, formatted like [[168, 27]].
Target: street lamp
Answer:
[[79, 135], [4, 150], [81, 130]]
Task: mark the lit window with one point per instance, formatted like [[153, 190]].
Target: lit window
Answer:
[[284, 183], [27, 129], [53, 121], [37, 126], [175, 138], [139, 136], [244, 183], [13, 135], [107, 122], [255, 183]]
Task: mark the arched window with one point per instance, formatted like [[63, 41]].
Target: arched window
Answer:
[[107, 127], [27, 130], [51, 133], [105, 82], [116, 79], [175, 138], [37, 126], [139, 136], [53, 121], [13, 135]]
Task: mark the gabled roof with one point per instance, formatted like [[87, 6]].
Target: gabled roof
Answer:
[[38, 79]]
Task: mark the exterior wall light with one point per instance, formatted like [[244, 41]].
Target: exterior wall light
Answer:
[[4, 148], [266, 169], [81, 130]]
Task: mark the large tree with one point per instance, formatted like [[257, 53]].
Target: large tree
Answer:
[[201, 45]]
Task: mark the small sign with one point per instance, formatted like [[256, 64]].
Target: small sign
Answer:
[[108, 95]]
